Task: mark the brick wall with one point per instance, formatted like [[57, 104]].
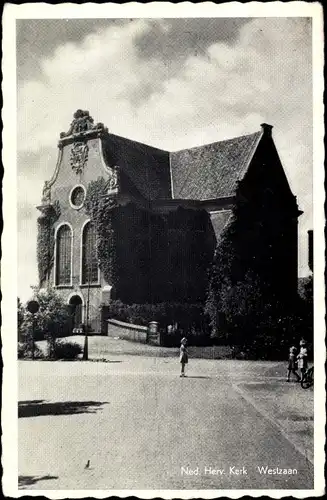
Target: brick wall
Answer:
[[66, 180]]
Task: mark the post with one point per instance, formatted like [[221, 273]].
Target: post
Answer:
[[49, 251], [33, 307], [86, 339], [33, 343]]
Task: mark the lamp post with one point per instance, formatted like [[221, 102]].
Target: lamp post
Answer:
[[33, 307], [86, 339]]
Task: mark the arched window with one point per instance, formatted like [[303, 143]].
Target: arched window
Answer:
[[64, 256], [89, 256]]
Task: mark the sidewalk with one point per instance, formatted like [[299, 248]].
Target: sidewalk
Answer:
[[286, 405]]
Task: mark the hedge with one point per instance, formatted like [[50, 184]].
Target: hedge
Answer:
[[187, 316]]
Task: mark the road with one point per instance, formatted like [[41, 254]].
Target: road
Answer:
[[141, 426]]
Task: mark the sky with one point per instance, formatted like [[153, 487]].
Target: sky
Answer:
[[170, 83]]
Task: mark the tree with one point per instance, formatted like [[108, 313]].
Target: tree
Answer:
[[50, 321], [20, 318], [245, 304]]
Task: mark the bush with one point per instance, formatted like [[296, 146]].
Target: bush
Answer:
[[188, 316], [67, 350], [24, 351], [51, 321]]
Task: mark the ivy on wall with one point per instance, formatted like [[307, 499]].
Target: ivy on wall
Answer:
[[45, 239], [100, 208]]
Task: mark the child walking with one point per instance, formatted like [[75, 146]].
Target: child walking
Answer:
[[292, 366], [183, 355]]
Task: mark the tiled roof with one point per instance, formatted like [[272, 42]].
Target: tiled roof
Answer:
[[220, 221], [145, 166], [201, 173], [211, 171]]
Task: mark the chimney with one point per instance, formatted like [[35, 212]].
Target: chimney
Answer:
[[266, 129]]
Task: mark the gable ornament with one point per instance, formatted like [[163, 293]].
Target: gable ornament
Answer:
[[113, 180], [82, 124], [46, 193], [79, 156]]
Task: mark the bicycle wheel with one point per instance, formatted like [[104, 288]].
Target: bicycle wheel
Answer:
[[305, 383], [307, 379]]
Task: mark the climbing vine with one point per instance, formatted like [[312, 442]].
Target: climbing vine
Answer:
[[45, 239], [101, 210]]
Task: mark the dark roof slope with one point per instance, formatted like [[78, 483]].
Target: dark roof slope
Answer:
[[211, 171], [146, 167]]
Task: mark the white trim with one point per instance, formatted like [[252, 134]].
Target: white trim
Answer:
[[212, 212], [56, 172], [81, 258], [71, 255], [75, 207], [79, 294], [73, 294], [103, 161], [110, 170], [262, 133], [171, 177]]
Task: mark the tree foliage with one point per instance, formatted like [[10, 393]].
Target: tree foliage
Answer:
[[51, 320], [100, 208], [243, 303], [20, 317], [45, 239], [165, 313]]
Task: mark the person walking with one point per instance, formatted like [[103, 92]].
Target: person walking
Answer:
[[183, 355], [292, 365], [303, 358]]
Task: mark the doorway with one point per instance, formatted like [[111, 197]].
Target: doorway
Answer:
[[76, 310]]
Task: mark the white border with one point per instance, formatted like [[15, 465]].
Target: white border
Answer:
[[9, 239]]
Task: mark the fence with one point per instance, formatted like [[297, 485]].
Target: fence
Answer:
[[127, 331]]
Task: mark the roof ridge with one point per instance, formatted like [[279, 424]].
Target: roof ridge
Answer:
[[213, 169], [251, 149], [140, 143], [216, 142]]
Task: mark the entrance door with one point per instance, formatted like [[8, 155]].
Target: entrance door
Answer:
[[76, 311]]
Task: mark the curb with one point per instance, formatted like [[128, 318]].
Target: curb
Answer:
[[307, 454]]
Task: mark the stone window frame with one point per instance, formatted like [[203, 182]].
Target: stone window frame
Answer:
[[76, 207], [82, 283], [70, 284]]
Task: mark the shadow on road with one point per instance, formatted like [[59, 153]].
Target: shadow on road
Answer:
[[25, 481], [196, 376], [298, 418], [39, 408]]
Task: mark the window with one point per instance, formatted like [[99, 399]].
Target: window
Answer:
[[89, 257], [64, 254], [77, 197]]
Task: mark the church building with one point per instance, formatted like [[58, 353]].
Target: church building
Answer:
[[123, 220]]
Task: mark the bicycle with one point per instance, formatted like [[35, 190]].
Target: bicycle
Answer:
[[307, 380]]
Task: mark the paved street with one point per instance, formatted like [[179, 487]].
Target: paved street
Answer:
[[138, 424]]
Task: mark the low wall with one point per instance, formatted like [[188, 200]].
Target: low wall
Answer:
[[127, 331]]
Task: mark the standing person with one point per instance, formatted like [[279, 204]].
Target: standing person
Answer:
[[303, 358], [183, 355], [292, 365]]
